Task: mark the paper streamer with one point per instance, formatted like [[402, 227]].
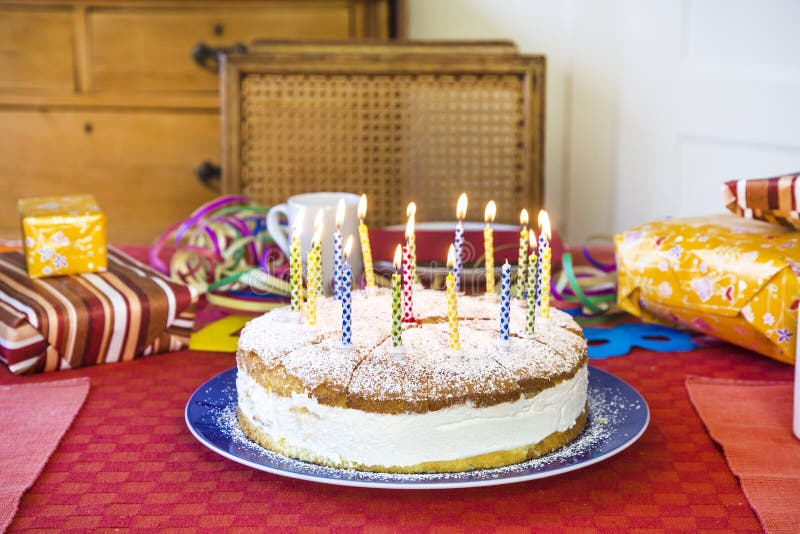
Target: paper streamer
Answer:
[[222, 250], [592, 288]]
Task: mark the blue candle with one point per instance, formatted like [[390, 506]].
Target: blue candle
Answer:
[[505, 303], [338, 251], [337, 264], [458, 243], [347, 301], [347, 297]]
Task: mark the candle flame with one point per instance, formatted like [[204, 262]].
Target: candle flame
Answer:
[[544, 224], [451, 256], [340, 214], [318, 221], [348, 246], [398, 255], [411, 209], [317, 238], [410, 226], [362, 207], [461, 206], [490, 211], [297, 226], [523, 217]]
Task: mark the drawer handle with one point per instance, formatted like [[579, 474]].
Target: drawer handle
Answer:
[[209, 175], [206, 56]]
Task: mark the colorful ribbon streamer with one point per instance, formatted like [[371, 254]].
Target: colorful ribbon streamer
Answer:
[[223, 251], [593, 288]]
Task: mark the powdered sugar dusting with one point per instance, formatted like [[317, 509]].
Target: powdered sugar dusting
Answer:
[[427, 368]]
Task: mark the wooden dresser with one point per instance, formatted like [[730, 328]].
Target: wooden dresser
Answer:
[[119, 98]]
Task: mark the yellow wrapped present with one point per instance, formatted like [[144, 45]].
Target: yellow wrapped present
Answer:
[[733, 278], [63, 235]]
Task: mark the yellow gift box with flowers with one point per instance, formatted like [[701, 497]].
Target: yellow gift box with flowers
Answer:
[[63, 235], [733, 278]]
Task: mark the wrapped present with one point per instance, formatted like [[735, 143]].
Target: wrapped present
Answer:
[[63, 235], [734, 278], [71, 321], [775, 199]]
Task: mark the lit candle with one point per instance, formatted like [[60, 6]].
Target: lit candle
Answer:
[[452, 301], [461, 212], [338, 250], [522, 262], [366, 250], [488, 245], [408, 280], [296, 264], [545, 255], [314, 271], [397, 330], [347, 295], [411, 239], [533, 266], [505, 304]]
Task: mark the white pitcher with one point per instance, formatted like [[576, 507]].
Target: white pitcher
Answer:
[[313, 203]]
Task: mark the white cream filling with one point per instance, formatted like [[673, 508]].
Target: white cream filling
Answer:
[[349, 435]]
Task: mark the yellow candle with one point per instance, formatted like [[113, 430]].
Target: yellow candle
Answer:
[[545, 260], [366, 250], [314, 275], [411, 239], [522, 262], [314, 271], [296, 264], [488, 245], [452, 301]]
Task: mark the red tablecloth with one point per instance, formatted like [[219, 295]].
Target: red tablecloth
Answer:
[[128, 461]]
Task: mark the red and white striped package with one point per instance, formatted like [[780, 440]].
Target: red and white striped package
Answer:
[[87, 319], [776, 200]]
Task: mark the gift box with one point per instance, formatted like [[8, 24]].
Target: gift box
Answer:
[[71, 321], [733, 278], [776, 200], [63, 235]]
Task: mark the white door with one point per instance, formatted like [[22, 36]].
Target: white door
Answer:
[[709, 91]]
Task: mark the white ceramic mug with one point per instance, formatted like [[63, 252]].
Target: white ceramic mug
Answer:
[[313, 203]]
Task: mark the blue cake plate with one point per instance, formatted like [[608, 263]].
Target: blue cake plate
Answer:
[[618, 415]]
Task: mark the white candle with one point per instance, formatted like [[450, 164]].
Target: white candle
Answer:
[[338, 251], [458, 244]]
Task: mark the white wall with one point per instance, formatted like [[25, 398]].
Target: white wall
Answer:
[[651, 104]]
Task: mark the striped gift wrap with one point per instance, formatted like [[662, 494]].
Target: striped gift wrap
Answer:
[[73, 321]]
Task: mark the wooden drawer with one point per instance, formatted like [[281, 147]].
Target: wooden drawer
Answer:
[[36, 48], [148, 49], [138, 164]]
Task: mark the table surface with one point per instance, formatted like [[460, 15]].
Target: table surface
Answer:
[[128, 461]]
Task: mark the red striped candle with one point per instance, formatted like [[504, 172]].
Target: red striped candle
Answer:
[[408, 287]]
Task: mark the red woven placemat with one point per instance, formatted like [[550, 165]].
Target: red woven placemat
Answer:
[[752, 420], [128, 461], [35, 417]]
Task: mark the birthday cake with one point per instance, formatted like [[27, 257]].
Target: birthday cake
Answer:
[[370, 407]]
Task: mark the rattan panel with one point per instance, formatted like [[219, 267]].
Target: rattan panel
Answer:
[[396, 137]]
